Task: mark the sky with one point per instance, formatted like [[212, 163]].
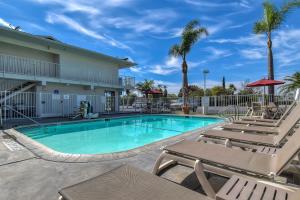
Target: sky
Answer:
[[144, 30]]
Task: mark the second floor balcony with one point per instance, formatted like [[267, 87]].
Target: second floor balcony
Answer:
[[36, 70]]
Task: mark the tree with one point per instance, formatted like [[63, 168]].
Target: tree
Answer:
[[193, 91], [272, 19], [231, 89], [218, 90], [293, 83], [145, 86], [190, 35], [165, 91], [223, 83]]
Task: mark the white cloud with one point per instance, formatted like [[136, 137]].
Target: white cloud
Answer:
[[172, 65], [72, 5], [213, 29], [253, 53], [172, 87], [218, 53], [252, 39], [62, 19], [146, 21], [286, 46], [211, 4], [4, 23]]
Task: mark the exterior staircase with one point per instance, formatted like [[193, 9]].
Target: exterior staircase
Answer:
[[16, 90]]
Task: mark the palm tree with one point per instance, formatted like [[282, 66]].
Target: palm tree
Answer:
[[190, 35], [293, 83], [145, 86], [272, 19]]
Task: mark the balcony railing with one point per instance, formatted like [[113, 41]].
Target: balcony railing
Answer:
[[16, 65], [10, 64]]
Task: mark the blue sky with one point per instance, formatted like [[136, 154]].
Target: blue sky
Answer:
[[143, 30]]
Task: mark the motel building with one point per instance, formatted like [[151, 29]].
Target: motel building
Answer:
[[43, 77]]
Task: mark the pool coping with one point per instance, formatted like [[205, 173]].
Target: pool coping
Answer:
[[46, 153]]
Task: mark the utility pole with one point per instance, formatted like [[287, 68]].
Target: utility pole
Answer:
[[205, 72]]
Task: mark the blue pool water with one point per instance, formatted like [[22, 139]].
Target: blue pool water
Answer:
[[114, 135]]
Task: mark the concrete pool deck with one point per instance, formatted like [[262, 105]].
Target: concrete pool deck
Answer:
[[26, 175]]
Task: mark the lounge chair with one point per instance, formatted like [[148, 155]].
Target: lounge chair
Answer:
[[264, 122], [129, 183], [227, 161], [241, 139], [286, 124]]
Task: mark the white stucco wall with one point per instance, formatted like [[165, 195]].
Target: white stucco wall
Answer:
[[21, 51], [75, 66]]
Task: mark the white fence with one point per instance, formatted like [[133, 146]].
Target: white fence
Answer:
[[38, 105]]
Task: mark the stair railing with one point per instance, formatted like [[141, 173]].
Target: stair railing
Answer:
[[14, 110]]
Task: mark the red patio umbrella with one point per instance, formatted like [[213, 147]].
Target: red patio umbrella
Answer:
[[265, 82], [154, 91]]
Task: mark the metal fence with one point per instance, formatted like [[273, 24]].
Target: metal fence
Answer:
[[40, 104]]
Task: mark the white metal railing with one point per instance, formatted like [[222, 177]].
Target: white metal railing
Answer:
[[127, 82], [10, 64], [100, 78], [41, 104]]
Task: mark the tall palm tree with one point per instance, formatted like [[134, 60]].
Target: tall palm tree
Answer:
[[293, 83], [190, 35], [272, 19], [145, 87]]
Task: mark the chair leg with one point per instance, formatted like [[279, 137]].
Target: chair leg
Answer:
[[199, 170], [158, 167], [228, 143]]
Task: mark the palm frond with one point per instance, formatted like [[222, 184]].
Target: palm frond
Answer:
[[190, 26], [260, 27], [175, 50], [292, 83]]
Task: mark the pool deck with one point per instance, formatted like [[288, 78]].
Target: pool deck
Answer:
[[26, 175]]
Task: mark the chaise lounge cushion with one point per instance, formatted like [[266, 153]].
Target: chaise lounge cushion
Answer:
[[217, 154], [243, 137], [129, 183], [258, 129]]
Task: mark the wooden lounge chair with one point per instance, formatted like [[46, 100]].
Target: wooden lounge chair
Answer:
[[245, 139], [262, 122], [129, 183], [227, 161], [286, 124]]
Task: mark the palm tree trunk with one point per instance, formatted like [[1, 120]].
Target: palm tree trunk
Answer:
[[270, 64], [184, 83]]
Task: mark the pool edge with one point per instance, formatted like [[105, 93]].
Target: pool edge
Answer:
[[49, 154]]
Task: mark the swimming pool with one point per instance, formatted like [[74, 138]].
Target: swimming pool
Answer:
[[113, 135]]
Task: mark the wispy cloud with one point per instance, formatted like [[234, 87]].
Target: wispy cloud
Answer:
[[4, 23], [253, 53], [286, 46], [218, 4], [62, 19], [146, 22], [215, 28], [171, 65], [257, 40], [218, 53]]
